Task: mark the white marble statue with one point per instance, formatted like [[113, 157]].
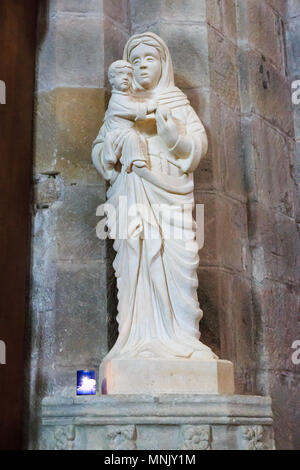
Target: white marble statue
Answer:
[[150, 143]]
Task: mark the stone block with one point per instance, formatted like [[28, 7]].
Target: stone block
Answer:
[[68, 120], [44, 133], [43, 256], [281, 6], [280, 305], [296, 171], [70, 51], [210, 303], [118, 11], [75, 50], [115, 39], [221, 14], [293, 47], [79, 49], [46, 49], [265, 31], [293, 8], [76, 223], [228, 322], [144, 13], [223, 71], [223, 167], [78, 6], [268, 166], [200, 100], [265, 91], [229, 19], [225, 232], [160, 376], [214, 14], [193, 71], [80, 315], [297, 121], [274, 245], [207, 175], [284, 388]]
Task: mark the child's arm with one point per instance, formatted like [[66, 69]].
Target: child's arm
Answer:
[[125, 107]]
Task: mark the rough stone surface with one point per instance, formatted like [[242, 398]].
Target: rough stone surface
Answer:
[[77, 6], [223, 69], [159, 422], [293, 8], [269, 177], [77, 326], [279, 303], [265, 32], [274, 245], [144, 13], [293, 42], [223, 167], [226, 299], [221, 14], [280, 6], [114, 42], [226, 216], [69, 119], [163, 376], [264, 91], [76, 225]]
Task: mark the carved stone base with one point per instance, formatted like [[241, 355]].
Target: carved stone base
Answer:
[[177, 422], [157, 376]]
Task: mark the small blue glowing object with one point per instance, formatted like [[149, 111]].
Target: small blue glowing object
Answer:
[[86, 382]]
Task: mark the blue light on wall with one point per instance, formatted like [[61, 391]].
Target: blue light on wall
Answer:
[[86, 382]]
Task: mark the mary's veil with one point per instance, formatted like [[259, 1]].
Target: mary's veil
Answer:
[[166, 91], [150, 39]]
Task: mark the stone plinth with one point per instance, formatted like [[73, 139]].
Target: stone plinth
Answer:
[[157, 376], [140, 422]]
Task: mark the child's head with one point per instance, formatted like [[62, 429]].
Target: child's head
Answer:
[[120, 75]]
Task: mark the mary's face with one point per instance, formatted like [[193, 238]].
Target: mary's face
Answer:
[[146, 65]]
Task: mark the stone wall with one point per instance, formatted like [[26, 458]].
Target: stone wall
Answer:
[[71, 274], [273, 206], [230, 58], [293, 52]]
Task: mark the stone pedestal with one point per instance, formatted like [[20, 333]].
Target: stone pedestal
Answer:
[[140, 422], [157, 376]]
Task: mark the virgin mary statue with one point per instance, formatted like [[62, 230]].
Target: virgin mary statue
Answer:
[[156, 270]]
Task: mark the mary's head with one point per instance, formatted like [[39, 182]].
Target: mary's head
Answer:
[[151, 60]]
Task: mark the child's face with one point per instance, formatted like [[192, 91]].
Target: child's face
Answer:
[[123, 79]]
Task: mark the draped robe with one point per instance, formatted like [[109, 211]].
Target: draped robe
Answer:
[[156, 269]]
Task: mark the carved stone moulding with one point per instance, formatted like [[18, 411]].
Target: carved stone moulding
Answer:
[[163, 422]]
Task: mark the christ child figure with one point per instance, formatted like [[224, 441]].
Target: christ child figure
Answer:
[[123, 142]]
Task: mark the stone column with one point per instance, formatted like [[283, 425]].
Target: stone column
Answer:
[[70, 270], [273, 209]]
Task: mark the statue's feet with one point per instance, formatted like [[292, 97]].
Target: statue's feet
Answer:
[[146, 354], [204, 355]]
